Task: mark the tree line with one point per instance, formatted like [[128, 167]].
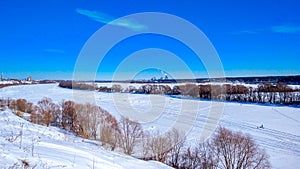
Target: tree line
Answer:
[[225, 149], [279, 93]]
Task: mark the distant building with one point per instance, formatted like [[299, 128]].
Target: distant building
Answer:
[[166, 77], [29, 79]]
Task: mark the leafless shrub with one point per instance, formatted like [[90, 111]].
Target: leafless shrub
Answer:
[[177, 141], [164, 147], [226, 149], [77, 85], [116, 88], [45, 113], [130, 132], [12, 104], [29, 107], [93, 115], [3, 104], [50, 112], [189, 90], [190, 159], [235, 150], [201, 156], [21, 105], [90, 121], [80, 123], [109, 129], [88, 117], [35, 116], [146, 146], [160, 146], [68, 114]]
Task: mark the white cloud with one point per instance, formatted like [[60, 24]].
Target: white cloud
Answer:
[[106, 19], [290, 29], [244, 32]]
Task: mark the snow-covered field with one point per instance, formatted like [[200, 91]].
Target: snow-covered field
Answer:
[[280, 135]]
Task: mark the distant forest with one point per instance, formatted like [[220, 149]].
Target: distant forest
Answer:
[[290, 80], [265, 92]]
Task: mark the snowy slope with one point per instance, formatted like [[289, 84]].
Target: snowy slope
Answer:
[[280, 137], [50, 147]]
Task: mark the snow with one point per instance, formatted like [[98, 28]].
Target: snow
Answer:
[[280, 136], [294, 86], [50, 147], [6, 82]]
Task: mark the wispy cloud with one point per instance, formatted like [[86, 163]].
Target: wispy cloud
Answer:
[[55, 51], [106, 19], [289, 29], [243, 32], [283, 29]]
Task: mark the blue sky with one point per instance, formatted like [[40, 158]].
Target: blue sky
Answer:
[[252, 37]]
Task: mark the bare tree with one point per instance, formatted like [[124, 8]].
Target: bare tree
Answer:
[[177, 141], [201, 156], [21, 105], [93, 113], [235, 150], [189, 90], [35, 116], [81, 125], [146, 154], [29, 107], [49, 111], [79, 121], [109, 129], [227, 150], [116, 88], [12, 104], [68, 114], [130, 132], [190, 159], [160, 146]]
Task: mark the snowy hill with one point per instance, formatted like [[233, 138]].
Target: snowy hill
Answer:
[[50, 147], [280, 135]]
